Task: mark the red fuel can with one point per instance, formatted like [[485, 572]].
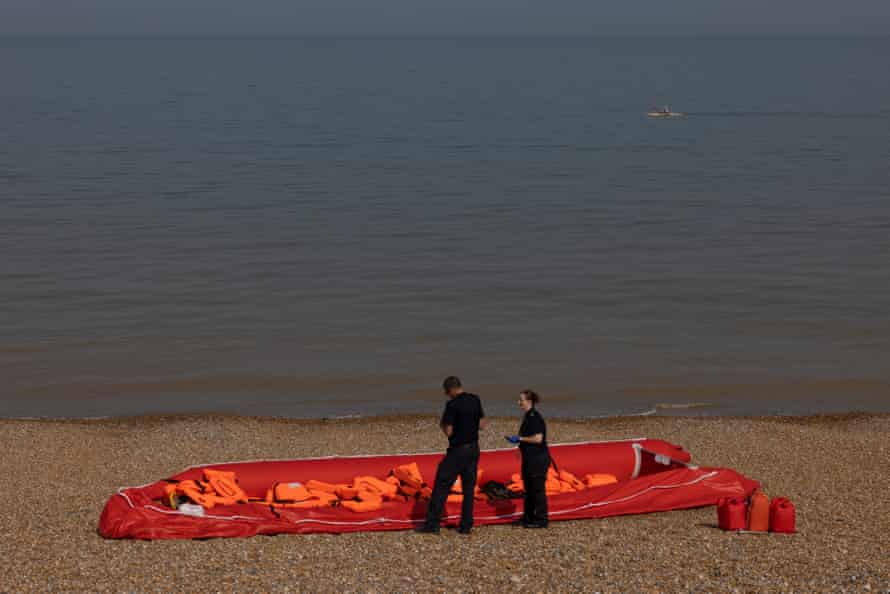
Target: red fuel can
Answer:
[[782, 516], [732, 513]]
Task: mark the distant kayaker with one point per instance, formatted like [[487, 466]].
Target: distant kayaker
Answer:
[[461, 421], [532, 441]]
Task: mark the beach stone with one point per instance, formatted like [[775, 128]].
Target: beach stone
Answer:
[[54, 546]]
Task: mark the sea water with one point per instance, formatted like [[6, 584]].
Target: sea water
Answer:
[[329, 226]]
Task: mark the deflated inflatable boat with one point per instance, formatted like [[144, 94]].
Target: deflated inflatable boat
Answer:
[[653, 475]]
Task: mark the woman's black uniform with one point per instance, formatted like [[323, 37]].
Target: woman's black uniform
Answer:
[[535, 463]]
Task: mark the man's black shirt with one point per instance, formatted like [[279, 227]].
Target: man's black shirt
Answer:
[[463, 413]]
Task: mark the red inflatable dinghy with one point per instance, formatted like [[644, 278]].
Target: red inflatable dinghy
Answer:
[[652, 475]]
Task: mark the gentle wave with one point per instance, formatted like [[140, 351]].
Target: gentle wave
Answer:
[[617, 415], [682, 405]]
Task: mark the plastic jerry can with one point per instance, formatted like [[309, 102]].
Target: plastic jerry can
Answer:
[[758, 512], [732, 513], [782, 516]]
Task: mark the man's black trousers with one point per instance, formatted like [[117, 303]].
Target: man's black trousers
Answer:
[[460, 461]]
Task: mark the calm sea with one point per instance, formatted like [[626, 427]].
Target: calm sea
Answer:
[[320, 227]]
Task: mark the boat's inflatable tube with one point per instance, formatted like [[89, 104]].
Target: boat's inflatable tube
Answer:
[[653, 476]]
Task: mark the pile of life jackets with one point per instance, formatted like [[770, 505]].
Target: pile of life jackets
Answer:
[[365, 493], [563, 481], [219, 487]]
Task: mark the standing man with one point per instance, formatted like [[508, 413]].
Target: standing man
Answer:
[[461, 421]]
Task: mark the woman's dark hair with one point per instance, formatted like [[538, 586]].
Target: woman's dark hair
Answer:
[[531, 396], [451, 382]]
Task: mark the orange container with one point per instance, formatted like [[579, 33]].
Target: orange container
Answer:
[[732, 513], [782, 516], [758, 512]]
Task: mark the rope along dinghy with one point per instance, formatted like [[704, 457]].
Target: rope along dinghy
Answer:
[[650, 476]]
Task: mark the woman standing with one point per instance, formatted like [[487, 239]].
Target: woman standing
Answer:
[[532, 440]]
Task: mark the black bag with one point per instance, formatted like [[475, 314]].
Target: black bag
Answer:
[[497, 491]]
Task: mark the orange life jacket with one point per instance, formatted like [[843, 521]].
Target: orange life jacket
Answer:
[[346, 492], [308, 504], [385, 489], [314, 485], [225, 486], [553, 487], [369, 496], [314, 499], [220, 487], [291, 492], [170, 495], [363, 506], [567, 477], [409, 490], [598, 480], [408, 474], [195, 491], [516, 485]]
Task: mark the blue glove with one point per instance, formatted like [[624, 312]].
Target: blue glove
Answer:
[[514, 439]]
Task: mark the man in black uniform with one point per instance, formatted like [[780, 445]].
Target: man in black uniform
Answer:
[[461, 421]]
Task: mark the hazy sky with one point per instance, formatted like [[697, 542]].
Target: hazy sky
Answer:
[[444, 16]]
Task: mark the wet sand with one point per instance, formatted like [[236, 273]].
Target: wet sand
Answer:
[[57, 476]]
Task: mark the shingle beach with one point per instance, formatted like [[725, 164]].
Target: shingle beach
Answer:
[[57, 476]]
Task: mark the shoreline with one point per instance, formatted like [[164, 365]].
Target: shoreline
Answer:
[[152, 418], [272, 395], [833, 467]]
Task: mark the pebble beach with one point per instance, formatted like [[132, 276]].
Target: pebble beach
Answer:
[[57, 476]]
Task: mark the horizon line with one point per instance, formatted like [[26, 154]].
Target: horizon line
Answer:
[[440, 35]]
